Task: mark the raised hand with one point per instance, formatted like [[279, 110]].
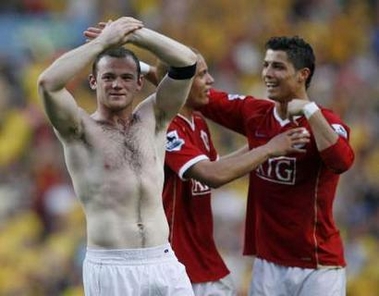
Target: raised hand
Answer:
[[92, 32], [116, 32]]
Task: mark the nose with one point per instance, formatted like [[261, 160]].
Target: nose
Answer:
[[267, 71], [210, 79], [116, 83]]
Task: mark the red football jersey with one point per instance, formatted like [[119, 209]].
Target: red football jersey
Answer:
[[289, 218], [187, 203]]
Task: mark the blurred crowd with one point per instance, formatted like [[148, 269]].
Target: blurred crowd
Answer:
[[42, 229]]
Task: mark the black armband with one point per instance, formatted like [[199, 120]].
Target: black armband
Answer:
[[181, 73]]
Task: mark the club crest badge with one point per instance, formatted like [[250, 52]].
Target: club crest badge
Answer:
[[173, 141]]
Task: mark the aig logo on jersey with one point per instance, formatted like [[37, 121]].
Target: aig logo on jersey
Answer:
[[173, 142], [280, 170]]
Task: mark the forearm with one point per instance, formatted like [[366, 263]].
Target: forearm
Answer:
[[236, 166], [323, 133], [332, 142], [240, 151], [225, 170], [168, 50], [62, 70]]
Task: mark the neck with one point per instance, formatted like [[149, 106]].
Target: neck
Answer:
[[186, 112], [112, 117], [282, 105], [281, 109]]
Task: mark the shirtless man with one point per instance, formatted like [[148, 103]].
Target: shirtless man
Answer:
[[115, 156]]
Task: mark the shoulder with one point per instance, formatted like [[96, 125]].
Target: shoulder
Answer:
[[330, 114], [176, 122], [339, 126], [216, 93], [198, 117], [200, 121]]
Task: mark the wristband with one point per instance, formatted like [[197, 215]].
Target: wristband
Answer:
[[181, 73], [145, 68], [309, 109]]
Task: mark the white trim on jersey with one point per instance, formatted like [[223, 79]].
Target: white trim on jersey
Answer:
[[190, 163]]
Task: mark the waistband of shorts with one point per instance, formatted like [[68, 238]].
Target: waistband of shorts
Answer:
[[125, 256]]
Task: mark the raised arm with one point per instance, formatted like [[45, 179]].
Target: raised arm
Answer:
[[60, 106], [173, 89], [332, 139], [239, 163]]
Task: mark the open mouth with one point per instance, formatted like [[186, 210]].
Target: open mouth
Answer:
[[271, 85], [116, 94]]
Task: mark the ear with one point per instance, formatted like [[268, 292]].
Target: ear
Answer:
[[92, 82], [303, 75], [140, 82]]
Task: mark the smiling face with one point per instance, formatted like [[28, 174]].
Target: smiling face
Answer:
[[283, 82], [116, 82], [201, 85]]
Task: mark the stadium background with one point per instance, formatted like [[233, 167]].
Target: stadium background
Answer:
[[41, 223]]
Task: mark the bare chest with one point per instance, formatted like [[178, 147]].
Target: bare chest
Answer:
[[132, 146]]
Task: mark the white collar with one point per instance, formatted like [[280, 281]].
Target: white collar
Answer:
[[191, 122], [281, 121]]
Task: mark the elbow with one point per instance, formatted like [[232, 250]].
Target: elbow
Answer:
[[215, 181], [188, 58], [339, 157], [214, 184], [340, 164], [343, 165], [45, 84], [192, 58]]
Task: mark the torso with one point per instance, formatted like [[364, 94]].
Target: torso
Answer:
[[299, 190], [188, 202], [117, 174]]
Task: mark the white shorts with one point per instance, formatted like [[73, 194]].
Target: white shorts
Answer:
[[135, 272], [269, 279], [222, 287]]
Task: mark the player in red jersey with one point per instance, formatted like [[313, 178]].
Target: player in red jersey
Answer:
[[289, 220], [192, 168]]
